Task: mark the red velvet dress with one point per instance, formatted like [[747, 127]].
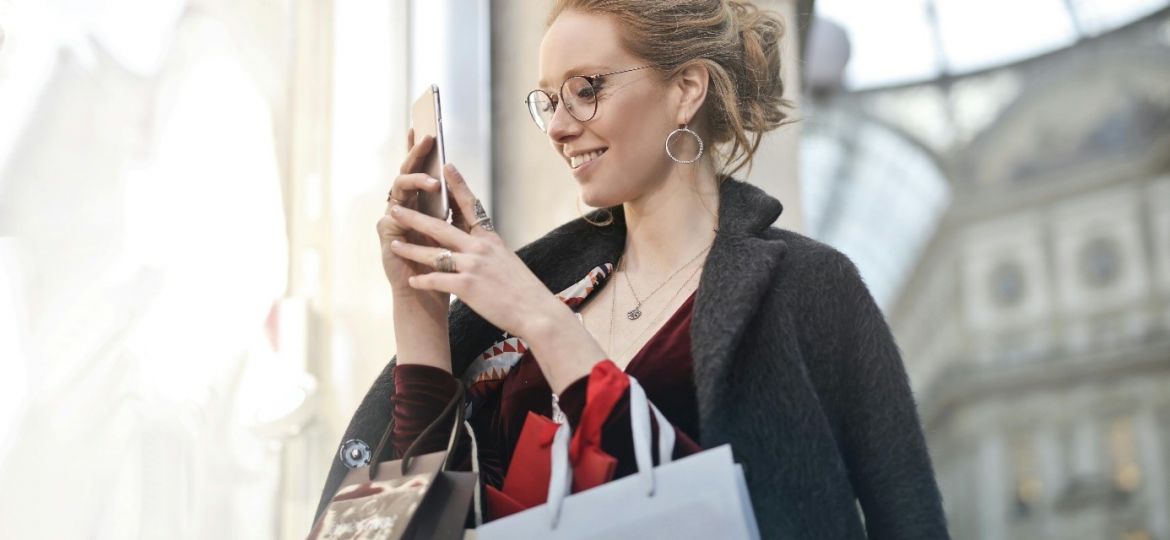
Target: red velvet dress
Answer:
[[505, 384]]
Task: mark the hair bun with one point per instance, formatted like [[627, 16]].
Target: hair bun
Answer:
[[759, 84]]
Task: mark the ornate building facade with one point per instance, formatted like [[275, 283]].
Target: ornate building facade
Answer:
[[1035, 323]]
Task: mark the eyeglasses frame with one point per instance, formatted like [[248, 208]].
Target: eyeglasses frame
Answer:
[[592, 79]]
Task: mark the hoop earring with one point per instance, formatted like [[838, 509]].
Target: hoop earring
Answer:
[[684, 129], [608, 216]]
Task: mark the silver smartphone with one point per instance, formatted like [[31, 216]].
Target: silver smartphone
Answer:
[[426, 117]]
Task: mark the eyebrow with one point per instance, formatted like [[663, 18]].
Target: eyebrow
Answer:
[[590, 69]]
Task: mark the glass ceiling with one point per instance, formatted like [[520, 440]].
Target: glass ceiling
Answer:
[[899, 41], [871, 193]]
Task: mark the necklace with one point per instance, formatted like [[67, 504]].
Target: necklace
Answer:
[[653, 324], [637, 311], [612, 305]]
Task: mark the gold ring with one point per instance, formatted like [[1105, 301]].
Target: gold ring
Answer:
[[445, 261], [390, 198]]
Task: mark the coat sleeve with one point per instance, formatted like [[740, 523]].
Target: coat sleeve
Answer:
[[368, 424], [881, 434]]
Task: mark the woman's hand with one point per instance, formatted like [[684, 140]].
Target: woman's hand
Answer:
[[404, 192], [420, 316], [494, 282], [487, 276]]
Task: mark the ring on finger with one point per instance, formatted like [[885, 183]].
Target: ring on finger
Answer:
[[445, 261], [390, 198], [481, 217], [485, 222]]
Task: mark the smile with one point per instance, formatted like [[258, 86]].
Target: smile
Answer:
[[577, 161]]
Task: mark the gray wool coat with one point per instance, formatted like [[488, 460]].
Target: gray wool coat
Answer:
[[794, 365]]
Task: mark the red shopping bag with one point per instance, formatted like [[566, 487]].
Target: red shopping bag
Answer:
[[526, 482]]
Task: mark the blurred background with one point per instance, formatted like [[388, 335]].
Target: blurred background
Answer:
[[192, 303]]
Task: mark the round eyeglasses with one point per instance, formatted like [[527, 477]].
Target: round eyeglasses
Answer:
[[578, 93]]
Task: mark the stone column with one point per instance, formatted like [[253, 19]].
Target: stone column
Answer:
[[1152, 459], [776, 168], [533, 191], [308, 207], [991, 487]]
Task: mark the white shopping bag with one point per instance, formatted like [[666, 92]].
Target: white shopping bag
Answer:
[[699, 496]]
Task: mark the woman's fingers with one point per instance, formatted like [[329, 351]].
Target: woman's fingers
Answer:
[[416, 182], [418, 153], [450, 283], [442, 232], [405, 185], [427, 255], [464, 202]]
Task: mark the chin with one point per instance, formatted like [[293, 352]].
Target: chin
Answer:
[[595, 199]]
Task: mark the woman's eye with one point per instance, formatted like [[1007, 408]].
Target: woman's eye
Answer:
[[588, 92]]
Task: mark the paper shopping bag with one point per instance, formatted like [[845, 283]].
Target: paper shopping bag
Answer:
[[412, 498], [703, 495]]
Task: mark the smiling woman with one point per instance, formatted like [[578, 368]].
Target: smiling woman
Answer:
[[740, 333]]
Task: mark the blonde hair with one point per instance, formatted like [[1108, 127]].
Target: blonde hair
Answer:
[[738, 43]]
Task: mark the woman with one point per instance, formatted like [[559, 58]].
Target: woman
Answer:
[[740, 332]]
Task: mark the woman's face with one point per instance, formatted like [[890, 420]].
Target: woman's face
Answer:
[[635, 111]]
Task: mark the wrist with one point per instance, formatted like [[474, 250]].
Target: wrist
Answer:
[[563, 347], [406, 294], [548, 323], [421, 332]]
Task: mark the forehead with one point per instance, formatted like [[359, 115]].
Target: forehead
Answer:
[[580, 44]]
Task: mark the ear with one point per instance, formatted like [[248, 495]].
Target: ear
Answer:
[[691, 83]]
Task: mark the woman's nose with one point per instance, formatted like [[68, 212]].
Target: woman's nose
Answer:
[[562, 126]]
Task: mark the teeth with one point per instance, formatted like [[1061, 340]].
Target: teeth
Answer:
[[577, 161]]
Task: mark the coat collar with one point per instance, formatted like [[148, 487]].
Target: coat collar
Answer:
[[739, 270], [736, 275]]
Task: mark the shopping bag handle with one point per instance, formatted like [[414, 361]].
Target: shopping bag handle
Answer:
[[561, 478], [453, 407], [640, 409]]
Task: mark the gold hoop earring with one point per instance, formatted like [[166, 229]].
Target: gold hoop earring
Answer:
[[608, 216]]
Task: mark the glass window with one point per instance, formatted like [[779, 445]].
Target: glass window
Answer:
[[987, 33], [891, 41], [901, 41], [1123, 455]]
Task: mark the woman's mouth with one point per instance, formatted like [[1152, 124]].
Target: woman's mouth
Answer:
[[577, 162]]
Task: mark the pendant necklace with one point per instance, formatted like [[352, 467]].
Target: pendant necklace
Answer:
[[652, 324], [633, 314]]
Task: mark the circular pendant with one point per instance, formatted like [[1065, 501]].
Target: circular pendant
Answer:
[[633, 314]]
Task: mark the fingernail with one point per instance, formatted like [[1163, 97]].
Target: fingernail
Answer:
[[410, 280], [394, 209], [432, 181], [395, 243]]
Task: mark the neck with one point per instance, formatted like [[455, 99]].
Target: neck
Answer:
[[672, 223]]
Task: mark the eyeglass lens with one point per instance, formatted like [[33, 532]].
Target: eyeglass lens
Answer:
[[578, 96]]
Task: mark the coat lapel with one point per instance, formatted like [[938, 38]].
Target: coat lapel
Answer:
[[736, 276]]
